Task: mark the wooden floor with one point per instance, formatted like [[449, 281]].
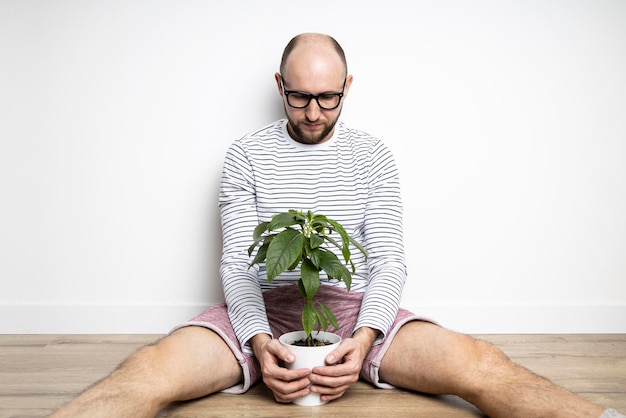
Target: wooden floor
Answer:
[[38, 373]]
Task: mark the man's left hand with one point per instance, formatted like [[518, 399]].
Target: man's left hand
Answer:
[[332, 381]]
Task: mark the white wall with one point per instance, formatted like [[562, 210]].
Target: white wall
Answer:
[[507, 119]]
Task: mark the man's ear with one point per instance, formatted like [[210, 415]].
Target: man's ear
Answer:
[[278, 83], [348, 84]]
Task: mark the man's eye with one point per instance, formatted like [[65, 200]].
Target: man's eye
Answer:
[[299, 96]]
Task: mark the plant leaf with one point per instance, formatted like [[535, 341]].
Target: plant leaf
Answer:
[[251, 248], [301, 289], [347, 278], [329, 315], [257, 236], [332, 241], [260, 255], [265, 242], [329, 262], [319, 222], [294, 265], [283, 220], [315, 256], [345, 239], [322, 322], [358, 246], [283, 251], [315, 240], [298, 214], [310, 278], [258, 231]]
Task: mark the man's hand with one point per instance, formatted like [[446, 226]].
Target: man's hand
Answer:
[[333, 380], [286, 384]]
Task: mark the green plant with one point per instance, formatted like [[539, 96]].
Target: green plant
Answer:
[[291, 239]]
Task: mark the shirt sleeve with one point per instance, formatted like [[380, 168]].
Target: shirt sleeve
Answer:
[[242, 291], [383, 232]]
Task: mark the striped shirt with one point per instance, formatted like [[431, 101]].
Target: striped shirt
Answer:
[[351, 178]]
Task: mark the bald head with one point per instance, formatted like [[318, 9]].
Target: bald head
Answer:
[[312, 45]]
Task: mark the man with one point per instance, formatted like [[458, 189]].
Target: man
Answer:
[[311, 161]]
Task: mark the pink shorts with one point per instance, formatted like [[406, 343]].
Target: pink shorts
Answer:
[[284, 307]]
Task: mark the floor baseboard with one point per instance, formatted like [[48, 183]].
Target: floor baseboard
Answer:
[[159, 319]]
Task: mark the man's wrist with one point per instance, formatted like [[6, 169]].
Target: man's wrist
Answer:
[[257, 342], [366, 337]]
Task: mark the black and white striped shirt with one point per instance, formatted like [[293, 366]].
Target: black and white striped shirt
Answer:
[[351, 178]]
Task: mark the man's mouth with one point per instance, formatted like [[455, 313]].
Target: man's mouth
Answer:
[[312, 126]]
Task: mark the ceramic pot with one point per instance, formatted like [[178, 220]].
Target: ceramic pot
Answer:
[[309, 357]]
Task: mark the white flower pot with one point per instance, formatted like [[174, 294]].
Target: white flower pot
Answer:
[[309, 357]]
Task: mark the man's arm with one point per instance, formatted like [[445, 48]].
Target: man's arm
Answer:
[[384, 240], [237, 201]]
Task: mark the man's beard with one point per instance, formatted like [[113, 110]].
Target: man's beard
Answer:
[[299, 136]]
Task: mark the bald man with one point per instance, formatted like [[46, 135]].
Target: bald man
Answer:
[[311, 161]]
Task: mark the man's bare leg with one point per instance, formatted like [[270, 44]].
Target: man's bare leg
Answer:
[[430, 359], [190, 363]]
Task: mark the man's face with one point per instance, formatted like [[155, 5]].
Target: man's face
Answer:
[[312, 124], [313, 71]]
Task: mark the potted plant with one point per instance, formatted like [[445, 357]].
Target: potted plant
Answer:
[[291, 239]]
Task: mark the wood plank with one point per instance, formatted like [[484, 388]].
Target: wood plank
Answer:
[[38, 373]]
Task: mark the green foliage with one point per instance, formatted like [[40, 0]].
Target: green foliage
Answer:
[[293, 239]]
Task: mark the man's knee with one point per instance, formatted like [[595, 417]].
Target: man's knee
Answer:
[[490, 368], [151, 361], [490, 357], [140, 364]]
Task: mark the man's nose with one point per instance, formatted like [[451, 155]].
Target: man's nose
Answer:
[[313, 110]]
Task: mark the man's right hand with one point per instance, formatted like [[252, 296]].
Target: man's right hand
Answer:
[[286, 384]]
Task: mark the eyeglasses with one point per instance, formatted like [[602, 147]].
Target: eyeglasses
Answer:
[[300, 99]]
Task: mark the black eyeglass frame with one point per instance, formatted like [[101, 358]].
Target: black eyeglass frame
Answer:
[[313, 96]]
